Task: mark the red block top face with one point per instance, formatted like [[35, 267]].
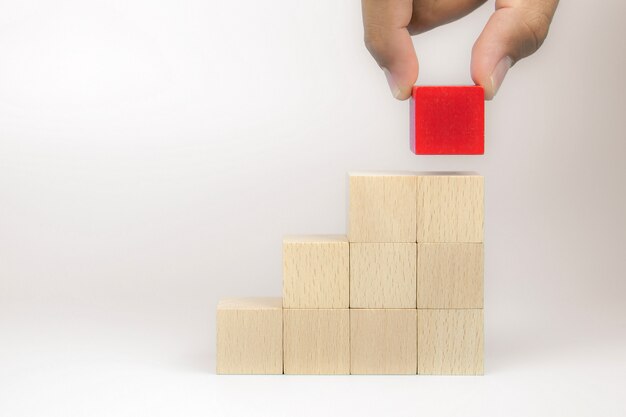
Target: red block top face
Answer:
[[448, 120]]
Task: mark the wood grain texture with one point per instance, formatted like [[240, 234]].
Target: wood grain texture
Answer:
[[450, 208], [450, 275], [383, 341], [316, 271], [450, 342], [250, 336], [383, 275], [382, 208], [316, 341]]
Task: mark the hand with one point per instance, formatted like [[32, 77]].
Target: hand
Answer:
[[516, 30]]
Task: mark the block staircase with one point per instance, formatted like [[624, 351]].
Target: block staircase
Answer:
[[402, 293]]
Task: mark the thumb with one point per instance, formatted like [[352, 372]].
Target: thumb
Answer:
[[396, 57], [512, 33], [388, 40]]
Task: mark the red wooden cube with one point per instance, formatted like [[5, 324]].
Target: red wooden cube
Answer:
[[448, 120]]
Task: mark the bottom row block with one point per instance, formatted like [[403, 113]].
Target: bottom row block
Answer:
[[257, 336], [316, 341], [450, 342], [250, 336], [383, 341]]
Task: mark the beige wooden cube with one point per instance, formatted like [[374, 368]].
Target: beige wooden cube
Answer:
[[316, 341], [450, 275], [316, 271], [383, 341], [382, 207], [383, 275], [450, 208], [249, 336], [450, 342]]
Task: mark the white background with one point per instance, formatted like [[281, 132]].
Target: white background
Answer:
[[154, 153]]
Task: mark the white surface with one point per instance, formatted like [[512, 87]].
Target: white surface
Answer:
[[128, 366], [145, 145]]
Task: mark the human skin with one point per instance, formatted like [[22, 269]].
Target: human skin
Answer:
[[514, 31]]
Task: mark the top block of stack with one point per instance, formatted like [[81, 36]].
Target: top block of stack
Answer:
[[450, 208], [382, 207], [407, 207]]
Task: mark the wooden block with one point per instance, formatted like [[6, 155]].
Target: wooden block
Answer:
[[382, 208], [448, 120], [249, 336], [450, 342], [317, 341], [383, 275], [450, 275], [316, 271], [383, 341], [450, 208]]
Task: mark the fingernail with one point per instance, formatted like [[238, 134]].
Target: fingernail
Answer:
[[499, 72], [395, 90]]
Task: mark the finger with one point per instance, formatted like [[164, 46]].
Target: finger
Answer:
[[516, 30], [388, 40], [428, 14]]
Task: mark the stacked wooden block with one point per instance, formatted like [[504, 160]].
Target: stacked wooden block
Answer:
[[402, 293]]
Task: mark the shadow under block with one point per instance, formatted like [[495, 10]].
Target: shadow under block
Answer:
[[316, 271], [450, 208], [316, 341], [383, 341], [383, 275], [447, 120], [450, 275], [250, 336], [381, 207], [450, 342]]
